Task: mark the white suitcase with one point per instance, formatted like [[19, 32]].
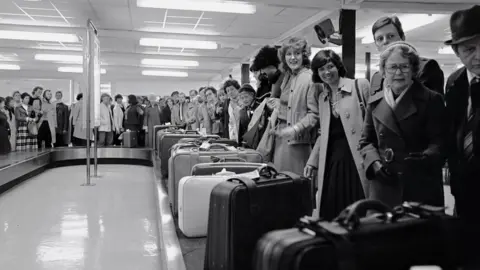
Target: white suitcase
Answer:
[[194, 200]]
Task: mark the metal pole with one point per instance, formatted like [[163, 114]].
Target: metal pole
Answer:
[[95, 153], [88, 100], [368, 59]]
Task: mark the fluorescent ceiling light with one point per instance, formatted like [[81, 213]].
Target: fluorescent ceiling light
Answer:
[[446, 50], [38, 36], [164, 73], [76, 70], [60, 58], [9, 67], [169, 63], [213, 6], [409, 22], [178, 43]]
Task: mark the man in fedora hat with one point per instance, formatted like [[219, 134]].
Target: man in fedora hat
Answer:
[[387, 30], [463, 111]]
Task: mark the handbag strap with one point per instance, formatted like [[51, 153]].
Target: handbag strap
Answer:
[[361, 100]]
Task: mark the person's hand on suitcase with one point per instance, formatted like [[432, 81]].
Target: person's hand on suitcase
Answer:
[[309, 171], [382, 173]]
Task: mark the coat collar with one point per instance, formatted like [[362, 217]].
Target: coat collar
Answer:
[[344, 85]]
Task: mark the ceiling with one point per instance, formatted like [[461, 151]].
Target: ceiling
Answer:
[[121, 25]]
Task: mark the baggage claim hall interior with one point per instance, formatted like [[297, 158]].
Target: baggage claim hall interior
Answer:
[[204, 119]]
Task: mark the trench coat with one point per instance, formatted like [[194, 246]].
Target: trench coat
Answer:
[[415, 125], [352, 121]]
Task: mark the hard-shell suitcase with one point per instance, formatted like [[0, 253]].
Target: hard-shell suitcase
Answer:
[[211, 139], [166, 139], [398, 240], [130, 139], [242, 210], [156, 129], [194, 197], [235, 165], [183, 160]]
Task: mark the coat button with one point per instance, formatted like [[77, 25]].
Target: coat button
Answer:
[[381, 135], [288, 124], [289, 107], [359, 147], [353, 131], [291, 91], [347, 115]]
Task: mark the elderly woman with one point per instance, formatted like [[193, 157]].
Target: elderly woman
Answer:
[[295, 115], [341, 178], [403, 135], [106, 129], [151, 119]]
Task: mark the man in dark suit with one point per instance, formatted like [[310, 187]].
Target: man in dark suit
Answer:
[[62, 121], [247, 98], [389, 29], [270, 77], [463, 110]]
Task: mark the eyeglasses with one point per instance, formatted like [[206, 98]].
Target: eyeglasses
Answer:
[[392, 69]]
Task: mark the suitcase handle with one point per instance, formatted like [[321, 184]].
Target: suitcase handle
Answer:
[[218, 146], [267, 171], [216, 159], [192, 132], [252, 192], [350, 217]]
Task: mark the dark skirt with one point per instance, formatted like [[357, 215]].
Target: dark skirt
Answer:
[[341, 184]]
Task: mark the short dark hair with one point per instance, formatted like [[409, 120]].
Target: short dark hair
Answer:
[[266, 56], [212, 89], [132, 100], [247, 88], [321, 59], [118, 96], [229, 83], [15, 92], [174, 93], [24, 95], [36, 89], [384, 21], [59, 92], [79, 96], [7, 100], [2, 99]]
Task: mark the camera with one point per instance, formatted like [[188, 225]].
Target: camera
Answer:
[[325, 32]]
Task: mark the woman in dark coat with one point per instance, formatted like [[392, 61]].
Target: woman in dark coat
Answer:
[[402, 139], [167, 112], [133, 115], [5, 146]]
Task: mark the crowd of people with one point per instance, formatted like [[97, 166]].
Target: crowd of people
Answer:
[[385, 139]]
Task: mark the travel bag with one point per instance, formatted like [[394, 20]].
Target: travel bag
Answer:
[[236, 165], [410, 235], [130, 139], [156, 129], [166, 139], [182, 161], [211, 139], [194, 197], [242, 210]]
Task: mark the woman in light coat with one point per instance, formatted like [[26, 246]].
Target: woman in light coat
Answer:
[[151, 119], [10, 107], [341, 177], [80, 130], [105, 130], [296, 112], [48, 123]]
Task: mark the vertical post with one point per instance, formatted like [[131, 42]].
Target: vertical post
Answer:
[[87, 100], [368, 61], [95, 154], [245, 73], [347, 29]]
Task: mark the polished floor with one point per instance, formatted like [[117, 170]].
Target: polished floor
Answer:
[[15, 157], [51, 222]]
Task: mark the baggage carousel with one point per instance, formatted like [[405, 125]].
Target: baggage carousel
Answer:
[[176, 252]]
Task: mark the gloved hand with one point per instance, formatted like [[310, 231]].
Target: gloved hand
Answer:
[[417, 159], [381, 172]]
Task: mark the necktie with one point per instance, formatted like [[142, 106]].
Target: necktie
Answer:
[[471, 121]]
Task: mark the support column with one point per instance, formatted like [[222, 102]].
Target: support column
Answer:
[[347, 29], [368, 61], [245, 73]]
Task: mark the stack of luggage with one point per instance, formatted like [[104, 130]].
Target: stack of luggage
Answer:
[[254, 217]]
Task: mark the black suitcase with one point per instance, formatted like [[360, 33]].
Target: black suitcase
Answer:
[[242, 210], [412, 235]]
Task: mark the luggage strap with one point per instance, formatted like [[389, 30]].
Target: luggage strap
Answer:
[[252, 192]]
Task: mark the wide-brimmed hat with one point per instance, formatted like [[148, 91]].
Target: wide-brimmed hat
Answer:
[[464, 25]]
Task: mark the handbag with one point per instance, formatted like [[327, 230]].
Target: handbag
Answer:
[[32, 128], [266, 146]]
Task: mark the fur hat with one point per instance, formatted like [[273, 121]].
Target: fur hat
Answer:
[[267, 56]]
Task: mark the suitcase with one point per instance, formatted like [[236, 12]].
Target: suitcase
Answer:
[[156, 129], [409, 236], [130, 139], [242, 210], [194, 197], [166, 139], [182, 161], [209, 138], [235, 165]]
